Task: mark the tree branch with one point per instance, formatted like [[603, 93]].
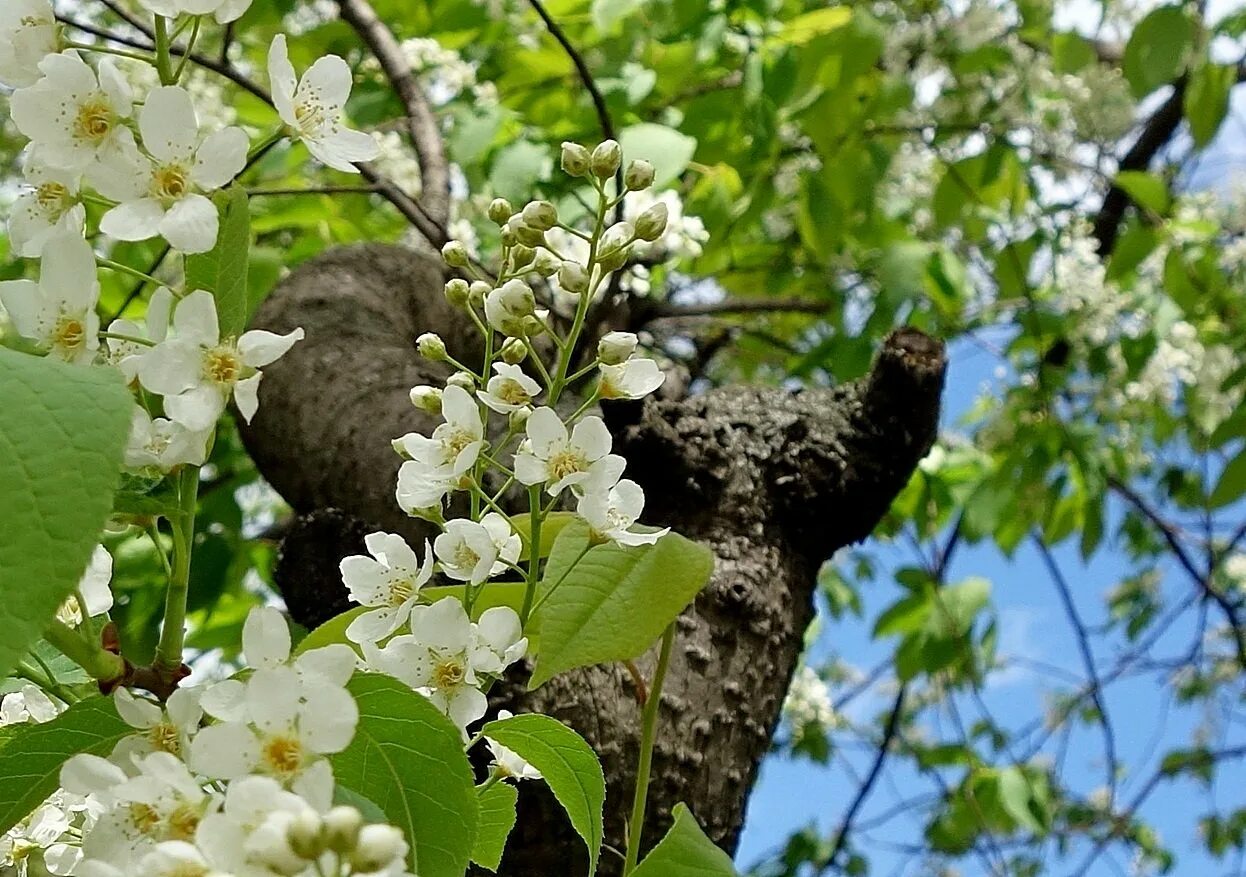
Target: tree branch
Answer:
[[646, 312], [421, 123]]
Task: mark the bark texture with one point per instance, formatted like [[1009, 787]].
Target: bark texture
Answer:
[[772, 481]]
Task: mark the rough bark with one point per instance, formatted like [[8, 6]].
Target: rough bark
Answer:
[[773, 481]]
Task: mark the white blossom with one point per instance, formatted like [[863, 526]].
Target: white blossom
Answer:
[[128, 354], [43, 832], [50, 209], [389, 580], [93, 589], [58, 312], [27, 34], [166, 729], [472, 552], [507, 762], [634, 379], [224, 11], [422, 487], [509, 390], [454, 445], [551, 456], [613, 512], [28, 705]]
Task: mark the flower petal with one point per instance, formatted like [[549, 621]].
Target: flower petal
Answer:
[[191, 225], [247, 396], [282, 78], [225, 751], [265, 638], [168, 124], [195, 320], [134, 220], [259, 348], [220, 158]]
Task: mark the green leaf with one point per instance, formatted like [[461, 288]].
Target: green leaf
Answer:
[[1232, 482], [497, 818], [607, 13], [570, 768], [518, 168], [804, 28], [62, 432], [1147, 190], [665, 148], [685, 852], [223, 269], [1156, 52], [408, 758], [1207, 100], [30, 762], [616, 601], [1015, 795]]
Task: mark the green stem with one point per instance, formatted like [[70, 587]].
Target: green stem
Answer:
[[164, 59], [561, 578], [117, 336], [90, 656], [540, 367], [190, 46], [173, 631], [126, 269], [488, 784], [534, 552], [45, 679], [582, 307], [108, 50], [648, 731]]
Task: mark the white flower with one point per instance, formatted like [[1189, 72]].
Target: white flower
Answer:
[[58, 312], [312, 108], [510, 389], [29, 705], [234, 839], [50, 209], [163, 444], [224, 11], [169, 729], [389, 580], [73, 116], [611, 513], [284, 717], [633, 379], [506, 761], [422, 487], [507, 306], [92, 588], [549, 455], [163, 195], [27, 34], [197, 372], [499, 640], [455, 444], [128, 355], [40, 832], [472, 552]]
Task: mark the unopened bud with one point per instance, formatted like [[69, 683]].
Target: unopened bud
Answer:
[[529, 235], [616, 347], [455, 254], [508, 305], [521, 256], [606, 159], [651, 224], [613, 249], [462, 380], [514, 351], [541, 214], [378, 847], [269, 845], [500, 210], [638, 176], [575, 159], [431, 347], [546, 263], [456, 292], [533, 326], [426, 399], [573, 277], [341, 829], [508, 235], [519, 418], [477, 292], [306, 835]]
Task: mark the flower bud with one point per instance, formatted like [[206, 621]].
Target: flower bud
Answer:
[[455, 254], [456, 292], [508, 235], [508, 305], [606, 159], [541, 215], [514, 351], [616, 347], [575, 159], [463, 380], [341, 829], [477, 292], [573, 277], [528, 235], [638, 176], [651, 224], [426, 399], [533, 326], [378, 847], [269, 845], [306, 835], [546, 263], [431, 347], [500, 210], [613, 249], [521, 256], [518, 418]]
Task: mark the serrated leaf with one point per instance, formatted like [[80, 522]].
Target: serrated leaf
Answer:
[[570, 768], [1232, 482], [614, 603], [63, 429], [408, 759], [497, 818], [1206, 100], [30, 762], [1156, 52], [685, 852], [666, 149], [222, 270]]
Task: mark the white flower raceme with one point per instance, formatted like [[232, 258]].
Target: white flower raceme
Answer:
[[73, 116], [93, 589], [197, 372], [634, 379], [549, 455], [312, 108], [284, 718], [224, 11], [29, 705], [169, 729], [389, 580], [506, 762], [509, 390], [41, 835], [50, 209], [472, 552], [441, 657], [612, 513], [163, 195], [58, 312], [161, 444], [27, 34], [455, 444], [128, 355]]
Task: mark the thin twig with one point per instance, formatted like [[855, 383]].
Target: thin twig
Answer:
[[316, 190], [664, 310]]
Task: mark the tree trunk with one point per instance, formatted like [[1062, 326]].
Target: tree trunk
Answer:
[[772, 481]]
